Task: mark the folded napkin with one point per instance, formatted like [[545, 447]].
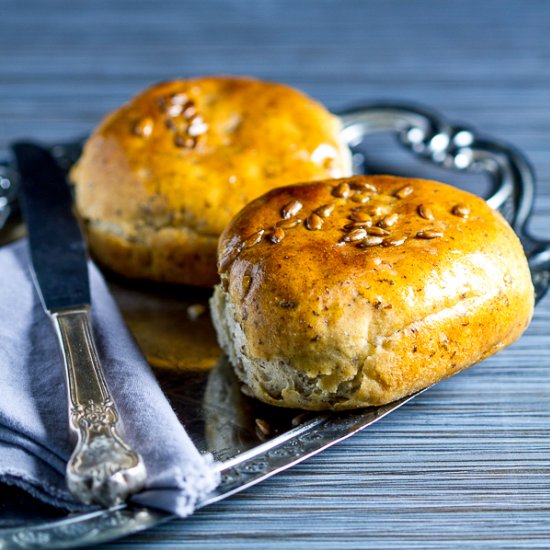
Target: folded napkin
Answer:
[[34, 428]]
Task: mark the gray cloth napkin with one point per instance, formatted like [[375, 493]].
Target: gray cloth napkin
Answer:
[[34, 429]]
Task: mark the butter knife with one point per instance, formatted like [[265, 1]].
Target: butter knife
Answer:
[[103, 468]]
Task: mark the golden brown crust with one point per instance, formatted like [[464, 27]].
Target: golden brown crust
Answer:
[[405, 282], [161, 177]]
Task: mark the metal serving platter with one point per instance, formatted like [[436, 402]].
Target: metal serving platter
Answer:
[[250, 440]]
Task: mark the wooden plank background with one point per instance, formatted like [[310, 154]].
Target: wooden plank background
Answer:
[[468, 463]]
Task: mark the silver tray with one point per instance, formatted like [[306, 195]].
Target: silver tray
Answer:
[[250, 440]]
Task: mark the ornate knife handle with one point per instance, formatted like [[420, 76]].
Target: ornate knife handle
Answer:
[[103, 468], [456, 147]]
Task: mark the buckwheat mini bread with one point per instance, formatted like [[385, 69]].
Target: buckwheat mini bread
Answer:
[[355, 292], [162, 176]]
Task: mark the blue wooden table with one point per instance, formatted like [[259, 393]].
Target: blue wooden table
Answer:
[[468, 462]]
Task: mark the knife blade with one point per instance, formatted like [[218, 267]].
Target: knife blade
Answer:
[[103, 468], [56, 245]]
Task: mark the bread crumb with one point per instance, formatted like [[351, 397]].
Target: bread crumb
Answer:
[[195, 311], [262, 427]]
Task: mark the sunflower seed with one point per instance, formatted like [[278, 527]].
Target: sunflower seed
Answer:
[[425, 212], [228, 257], [355, 235], [161, 102], [197, 127], [189, 111], [370, 241], [342, 190], [174, 110], [360, 217], [394, 241], [356, 225], [254, 239], [314, 222], [291, 209], [170, 124], [364, 186], [187, 142], [377, 231], [389, 220], [288, 224], [461, 210], [326, 210], [377, 210], [277, 235], [428, 234], [404, 192], [144, 127], [178, 98], [361, 199]]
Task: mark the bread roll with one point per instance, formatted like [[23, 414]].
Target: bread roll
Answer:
[[356, 292], [162, 176]]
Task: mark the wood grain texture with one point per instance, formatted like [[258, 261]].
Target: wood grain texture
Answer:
[[466, 464]]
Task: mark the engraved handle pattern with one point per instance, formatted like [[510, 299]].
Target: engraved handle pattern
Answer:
[[103, 468]]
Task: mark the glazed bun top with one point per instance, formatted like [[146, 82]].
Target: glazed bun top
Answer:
[[191, 153], [312, 263]]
